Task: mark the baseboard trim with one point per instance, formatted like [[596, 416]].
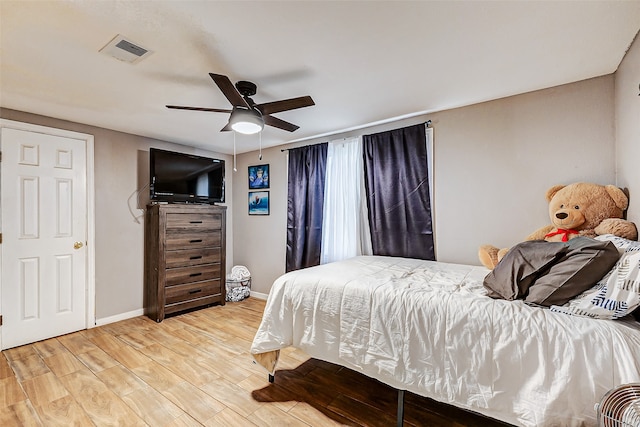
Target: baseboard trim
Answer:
[[119, 317], [136, 313], [259, 295]]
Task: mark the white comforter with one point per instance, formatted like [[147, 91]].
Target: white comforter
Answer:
[[428, 328]]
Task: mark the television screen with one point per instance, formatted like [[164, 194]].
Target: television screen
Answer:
[[178, 177]]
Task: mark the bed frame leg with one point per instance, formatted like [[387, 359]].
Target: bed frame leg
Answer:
[[271, 378], [400, 408]]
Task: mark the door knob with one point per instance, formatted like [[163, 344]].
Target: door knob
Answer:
[[77, 245]]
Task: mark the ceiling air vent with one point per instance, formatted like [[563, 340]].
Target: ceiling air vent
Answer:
[[125, 50]]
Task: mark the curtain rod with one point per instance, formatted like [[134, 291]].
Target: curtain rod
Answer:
[[302, 146], [282, 150]]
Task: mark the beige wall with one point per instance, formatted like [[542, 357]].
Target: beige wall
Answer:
[[493, 164], [121, 167], [262, 239], [627, 107], [496, 160]]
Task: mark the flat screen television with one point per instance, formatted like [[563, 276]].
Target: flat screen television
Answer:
[[185, 178]]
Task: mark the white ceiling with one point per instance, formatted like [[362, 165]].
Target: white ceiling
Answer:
[[362, 62]]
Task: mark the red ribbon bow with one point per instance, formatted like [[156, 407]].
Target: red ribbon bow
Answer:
[[565, 234]]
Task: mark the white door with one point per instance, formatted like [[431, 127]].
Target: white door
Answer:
[[43, 193]]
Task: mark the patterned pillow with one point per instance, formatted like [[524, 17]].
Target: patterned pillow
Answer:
[[621, 243], [617, 293]]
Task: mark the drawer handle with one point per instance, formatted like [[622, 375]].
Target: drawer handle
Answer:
[[195, 222], [195, 241], [195, 291], [196, 257], [195, 274]]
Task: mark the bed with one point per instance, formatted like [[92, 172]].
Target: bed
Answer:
[[429, 328]]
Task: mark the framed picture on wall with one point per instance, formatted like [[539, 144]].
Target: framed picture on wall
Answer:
[[258, 203], [258, 177]]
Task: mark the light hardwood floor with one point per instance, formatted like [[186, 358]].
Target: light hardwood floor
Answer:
[[193, 369]]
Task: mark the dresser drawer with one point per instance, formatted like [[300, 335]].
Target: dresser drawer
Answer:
[[180, 293], [194, 221], [193, 303], [188, 240], [188, 257], [198, 273]]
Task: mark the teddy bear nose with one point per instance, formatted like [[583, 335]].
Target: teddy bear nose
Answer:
[[562, 215]]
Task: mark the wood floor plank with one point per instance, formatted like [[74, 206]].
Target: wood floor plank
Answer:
[[355, 410], [184, 421], [20, 414], [5, 369], [44, 389], [83, 384], [63, 412], [232, 396], [97, 360], [29, 367], [279, 397], [129, 357], [21, 352], [151, 406], [120, 380], [193, 401], [161, 354], [228, 418], [137, 339], [10, 392], [48, 348], [106, 409], [317, 417], [63, 363], [191, 335], [232, 370], [107, 343], [77, 343], [190, 370], [157, 376], [268, 416]]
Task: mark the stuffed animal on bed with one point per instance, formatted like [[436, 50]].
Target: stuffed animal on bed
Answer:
[[579, 209]]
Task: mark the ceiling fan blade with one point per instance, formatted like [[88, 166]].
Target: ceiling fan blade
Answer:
[[215, 110], [285, 105], [226, 128], [229, 90], [278, 123]]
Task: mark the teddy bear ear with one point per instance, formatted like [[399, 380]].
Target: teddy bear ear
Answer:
[[619, 198], [552, 191]]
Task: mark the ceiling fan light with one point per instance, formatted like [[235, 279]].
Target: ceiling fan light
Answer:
[[246, 122]]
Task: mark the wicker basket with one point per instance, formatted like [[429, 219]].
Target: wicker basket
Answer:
[[237, 290]]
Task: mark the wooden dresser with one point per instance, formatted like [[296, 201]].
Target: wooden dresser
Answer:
[[184, 258]]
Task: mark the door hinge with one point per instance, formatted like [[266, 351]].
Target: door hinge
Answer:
[[0, 319], [0, 238]]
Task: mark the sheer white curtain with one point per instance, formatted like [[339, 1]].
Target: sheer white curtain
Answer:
[[345, 224]]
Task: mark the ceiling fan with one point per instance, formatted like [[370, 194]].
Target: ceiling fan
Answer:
[[246, 116]]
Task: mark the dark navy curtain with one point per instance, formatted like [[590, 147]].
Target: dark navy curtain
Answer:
[[307, 166], [397, 186]]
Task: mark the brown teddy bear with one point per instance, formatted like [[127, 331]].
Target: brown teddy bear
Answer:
[[580, 209]]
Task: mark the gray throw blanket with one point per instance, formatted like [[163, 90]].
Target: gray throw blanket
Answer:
[[550, 273]]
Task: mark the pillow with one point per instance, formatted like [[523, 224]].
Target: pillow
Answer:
[[621, 243], [617, 294]]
